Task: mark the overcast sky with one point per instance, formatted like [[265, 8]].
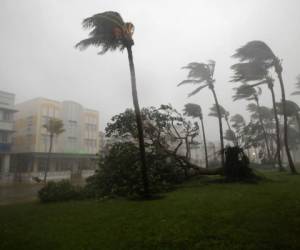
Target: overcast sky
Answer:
[[38, 58]]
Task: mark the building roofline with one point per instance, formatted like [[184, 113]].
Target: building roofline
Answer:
[[7, 93]]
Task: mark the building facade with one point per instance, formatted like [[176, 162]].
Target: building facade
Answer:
[[7, 110], [73, 151]]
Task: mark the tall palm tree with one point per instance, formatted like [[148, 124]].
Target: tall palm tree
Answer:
[[195, 111], [297, 92], [110, 32], [258, 51], [258, 73], [203, 74], [54, 127], [249, 93]]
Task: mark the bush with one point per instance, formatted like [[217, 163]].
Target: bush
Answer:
[[59, 191], [119, 173]]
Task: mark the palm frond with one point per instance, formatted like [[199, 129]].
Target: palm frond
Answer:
[[189, 81], [197, 90], [291, 108], [108, 31], [54, 126], [259, 83], [214, 111], [229, 135], [244, 91], [250, 71], [192, 110], [198, 71], [252, 108], [256, 51], [104, 19]]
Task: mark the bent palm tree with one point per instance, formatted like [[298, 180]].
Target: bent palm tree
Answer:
[[249, 93], [202, 74], [258, 51], [54, 127], [195, 111], [110, 32], [256, 71]]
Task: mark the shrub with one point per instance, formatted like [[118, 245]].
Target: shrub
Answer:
[[59, 191], [119, 173]]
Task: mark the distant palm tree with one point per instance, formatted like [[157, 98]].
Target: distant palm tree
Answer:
[[238, 123], [110, 32], [292, 110], [224, 114], [195, 111], [297, 92], [202, 74], [258, 73], [249, 93], [54, 127], [258, 51]]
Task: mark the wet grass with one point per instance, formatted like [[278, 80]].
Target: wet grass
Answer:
[[201, 214]]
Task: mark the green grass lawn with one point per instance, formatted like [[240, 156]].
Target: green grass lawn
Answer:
[[198, 215]]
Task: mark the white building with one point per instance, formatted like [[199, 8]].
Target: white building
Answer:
[[7, 109]]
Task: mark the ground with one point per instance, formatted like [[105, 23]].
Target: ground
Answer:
[[202, 214]]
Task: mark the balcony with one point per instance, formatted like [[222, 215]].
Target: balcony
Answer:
[[6, 125], [5, 147]]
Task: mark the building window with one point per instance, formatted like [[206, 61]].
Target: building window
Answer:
[[3, 137], [6, 116]]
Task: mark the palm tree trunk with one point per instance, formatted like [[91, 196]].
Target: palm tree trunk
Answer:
[[220, 125], [263, 128], [278, 70], [144, 169], [48, 158], [204, 142], [277, 129]]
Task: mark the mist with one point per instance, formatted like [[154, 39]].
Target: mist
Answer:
[[38, 58]]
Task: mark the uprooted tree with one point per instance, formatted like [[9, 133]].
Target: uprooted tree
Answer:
[[165, 129], [168, 139]]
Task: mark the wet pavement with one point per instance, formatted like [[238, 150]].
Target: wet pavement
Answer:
[[18, 192]]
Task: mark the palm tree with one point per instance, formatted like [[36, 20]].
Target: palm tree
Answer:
[[255, 71], [110, 32], [54, 127], [195, 111], [258, 51], [239, 124], [297, 92], [292, 110], [249, 93], [202, 74], [224, 114]]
